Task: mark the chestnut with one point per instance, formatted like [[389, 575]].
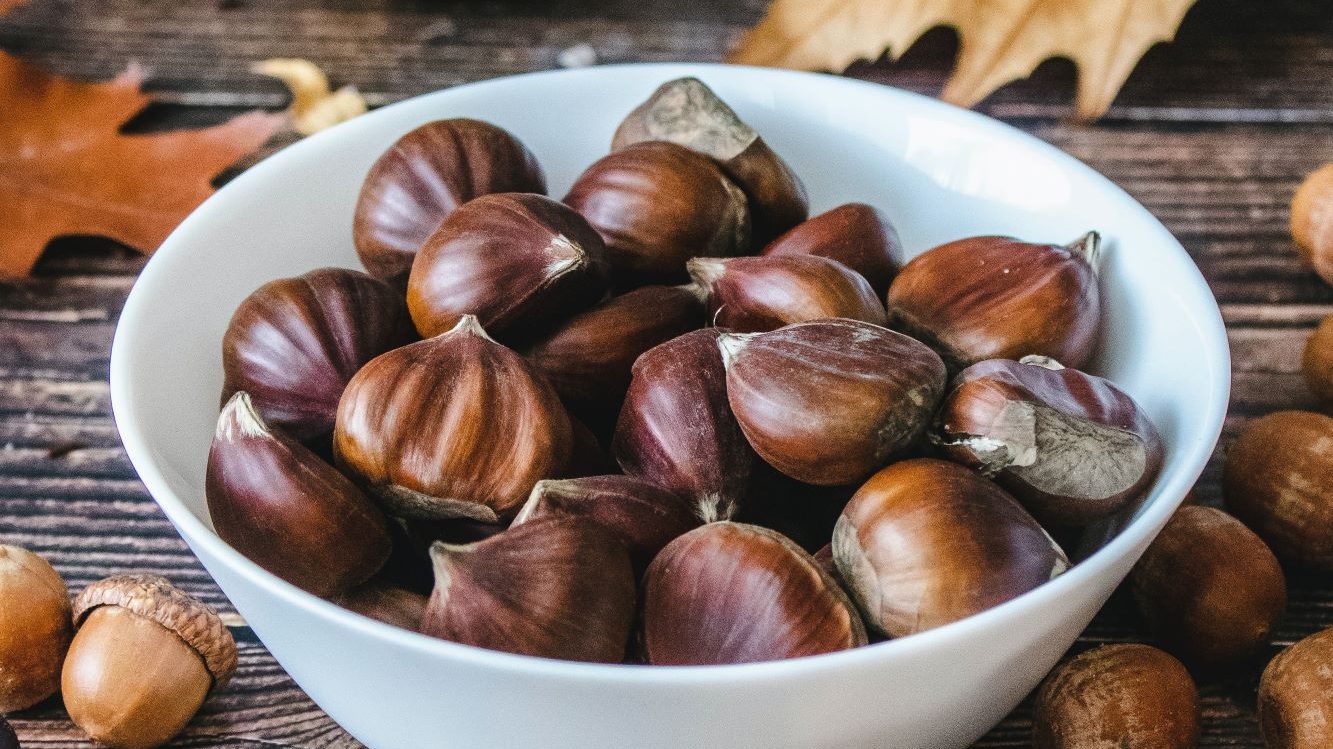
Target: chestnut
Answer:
[[1209, 589], [1001, 298], [677, 431], [517, 261], [829, 401], [34, 628], [397, 607], [857, 235], [295, 342], [1295, 708], [657, 205], [1276, 480], [452, 426], [1317, 362], [926, 542], [423, 177], [1312, 221], [687, 112], [287, 510], [733, 593], [755, 294], [1126, 696], [548, 587], [1072, 447]]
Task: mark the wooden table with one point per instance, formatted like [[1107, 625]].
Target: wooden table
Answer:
[[1212, 134]]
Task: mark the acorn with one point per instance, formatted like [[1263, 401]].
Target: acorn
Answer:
[[294, 343], [1001, 298], [519, 262], [829, 401], [453, 426], [1072, 447], [927, 542], [657, 205], [1296, 695], [1317, 362], [1312, 221], [756, 294], [34, 628], [423, 177], [857, 235], [685, 111], [734, 593]]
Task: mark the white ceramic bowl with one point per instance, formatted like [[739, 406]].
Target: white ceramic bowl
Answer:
[[940, 173]]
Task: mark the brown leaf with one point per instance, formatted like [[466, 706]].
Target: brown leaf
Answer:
[[8, 5], [65, 168], [1000, 40]]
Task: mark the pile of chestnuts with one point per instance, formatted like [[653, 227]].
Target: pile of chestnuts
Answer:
[[670, 419]]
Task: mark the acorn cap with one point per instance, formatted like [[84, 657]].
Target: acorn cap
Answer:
[[154, 597]]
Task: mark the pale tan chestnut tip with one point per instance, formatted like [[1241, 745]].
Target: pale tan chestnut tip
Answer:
[[156, 599], [706, 271], [239, 418], [731, 344], [471, 325], [1045, 362], [1088, 247]]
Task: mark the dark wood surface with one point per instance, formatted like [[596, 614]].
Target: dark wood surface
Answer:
[[1212, 134]]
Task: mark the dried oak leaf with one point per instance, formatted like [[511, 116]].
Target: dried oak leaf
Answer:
[[999, 40], [65, 168]]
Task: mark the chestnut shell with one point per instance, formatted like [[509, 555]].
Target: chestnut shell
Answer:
[[756, 294], [857, 235]]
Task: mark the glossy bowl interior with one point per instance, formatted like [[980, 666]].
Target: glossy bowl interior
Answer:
[[939, 172]]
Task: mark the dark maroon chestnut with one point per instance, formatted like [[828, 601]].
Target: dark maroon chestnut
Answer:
[[734, 593], [452, 426], [287, 510], [677, 431], [927, 542], [1001, 298], [295, 342], [755, 294], [395, 606], [423, 177], [829, 401], [656, 206], [646, 517], [548, 587], [855, 234], [519, 262], [688, 113], [1071, 446]]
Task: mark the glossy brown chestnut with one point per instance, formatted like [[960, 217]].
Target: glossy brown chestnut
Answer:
[[519, 262], [1209, 589], [423, 177], [548, 587], [757, 294], [687, 112], [588, 359], [677, 431], [1317, 363], [34, 628], [644, 516], [1312, 221], [1296, 695], [295, 342], [1122, 696], [857, 235], [1001, 298], [927, 542], [452, 426], [657, 205], [829, 401], [735, 593], [1072, 447], [398, 607], [1276, 480], [287, 510]]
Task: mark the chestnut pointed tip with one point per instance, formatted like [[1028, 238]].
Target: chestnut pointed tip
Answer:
[[534, 500], [564, 254], [1088, 247], [240, 419], [731, 345], [1045, 362], [706, 271], [469, 325]]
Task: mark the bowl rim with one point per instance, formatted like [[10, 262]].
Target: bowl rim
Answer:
[[1208, 326]]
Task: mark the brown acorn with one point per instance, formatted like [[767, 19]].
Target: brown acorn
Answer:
[[644, 516], [423, 177], [1072, 447], [295, 342], [756, 294], [734, 593], [519, 262], [857, 235], [1001, 298], [34, 628], [1312, 221], [829, 401], [287, 510], [676, 429], [452, 426], [657, 205], [1317, 362], [688, 113], [927, 542], [548, 587], [1296, 695]]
